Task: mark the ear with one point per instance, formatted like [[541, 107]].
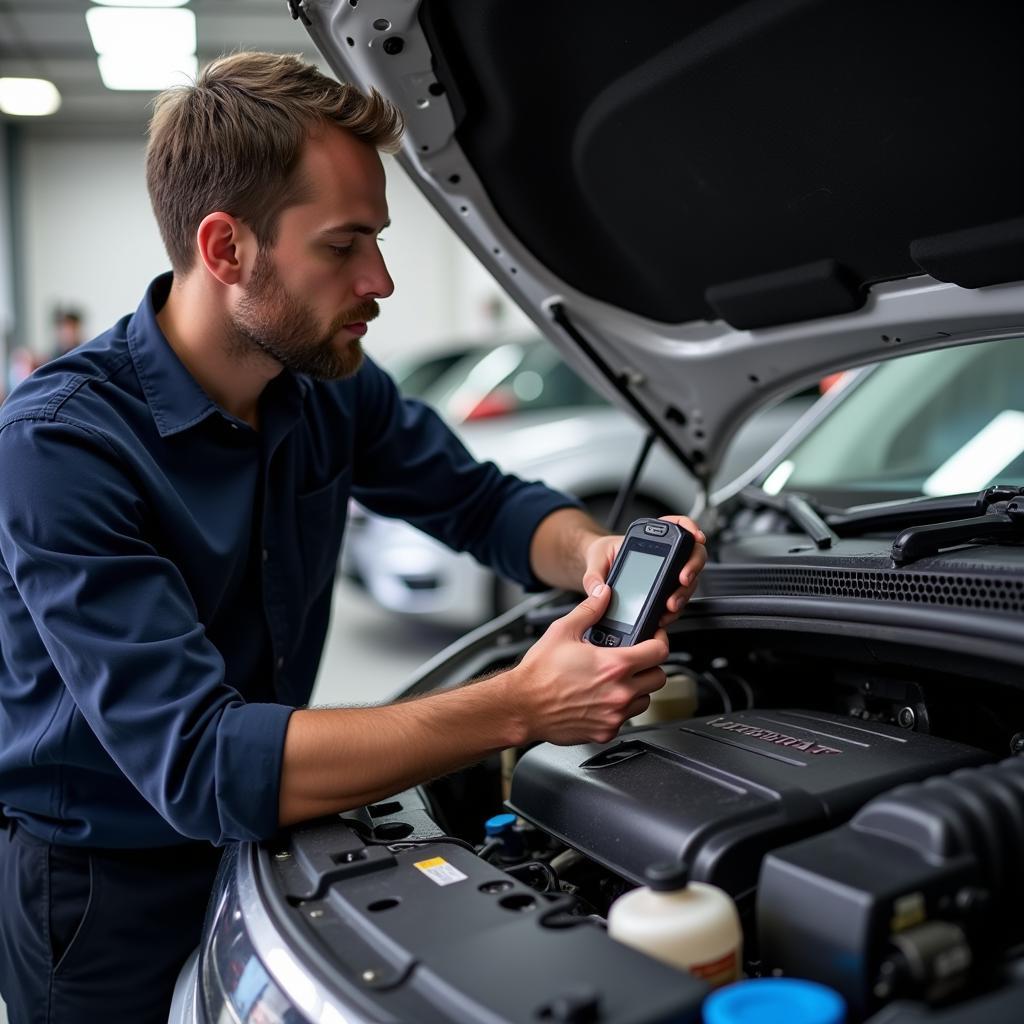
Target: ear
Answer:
[[226, 247]]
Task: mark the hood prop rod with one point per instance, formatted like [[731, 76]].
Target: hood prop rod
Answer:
[[621, 384], [616, 516]]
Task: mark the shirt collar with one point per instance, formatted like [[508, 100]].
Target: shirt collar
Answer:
[[175, 397]]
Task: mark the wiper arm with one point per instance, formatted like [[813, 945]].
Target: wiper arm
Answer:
[[918, 541], [803, 513], [800, 509]]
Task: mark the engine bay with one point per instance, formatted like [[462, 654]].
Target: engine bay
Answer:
[[851, 796]]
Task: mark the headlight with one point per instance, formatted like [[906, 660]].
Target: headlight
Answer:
[[235, 987]]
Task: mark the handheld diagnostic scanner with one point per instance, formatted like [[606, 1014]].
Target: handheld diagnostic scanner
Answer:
[[644, 576]]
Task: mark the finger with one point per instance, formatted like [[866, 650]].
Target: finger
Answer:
[[688, 524], [591, 578], [694, 565], [649, 653], [588, 612], [676, 609], [649, 681], [679, 597], [600, 556], [638, 706]]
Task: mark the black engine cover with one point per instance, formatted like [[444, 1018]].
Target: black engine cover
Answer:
[[719, 792]]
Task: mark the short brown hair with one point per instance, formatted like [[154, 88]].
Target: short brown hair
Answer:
[[233, 141]]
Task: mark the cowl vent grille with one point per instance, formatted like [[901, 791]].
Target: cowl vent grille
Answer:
[[981, 593]]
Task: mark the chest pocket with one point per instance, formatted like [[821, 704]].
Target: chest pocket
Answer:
[[321, 522]]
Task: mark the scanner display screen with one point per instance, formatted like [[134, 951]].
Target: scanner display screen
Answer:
[[632, 585]]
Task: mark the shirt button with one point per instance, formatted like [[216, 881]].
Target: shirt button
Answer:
[[234, 426], [280, 662], [266, 554]]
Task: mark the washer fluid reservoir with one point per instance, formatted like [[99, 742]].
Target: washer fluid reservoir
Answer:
[[690, 925]]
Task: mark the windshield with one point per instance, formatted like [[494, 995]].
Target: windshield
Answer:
[[935, 423]]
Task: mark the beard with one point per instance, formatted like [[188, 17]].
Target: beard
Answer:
[[269, 320]]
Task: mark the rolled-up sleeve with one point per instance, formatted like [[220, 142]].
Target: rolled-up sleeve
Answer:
[[122, 630], [409, 464]]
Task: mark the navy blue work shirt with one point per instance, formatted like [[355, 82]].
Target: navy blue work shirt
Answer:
[[166, 575]]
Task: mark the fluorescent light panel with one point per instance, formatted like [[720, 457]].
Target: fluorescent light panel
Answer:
[[149, 32], [141, 3], [28, 97], [991, 450], [141, 73]]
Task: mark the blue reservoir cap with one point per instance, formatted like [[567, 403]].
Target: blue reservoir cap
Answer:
[[498, 824], [774, 1001]]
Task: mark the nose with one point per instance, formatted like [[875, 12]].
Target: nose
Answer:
[[374, 281]]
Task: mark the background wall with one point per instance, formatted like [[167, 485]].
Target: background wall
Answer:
[[6, 267], [91, 243]]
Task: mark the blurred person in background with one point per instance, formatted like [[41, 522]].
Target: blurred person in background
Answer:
[[21, 362], [67, 332], [167, 557]]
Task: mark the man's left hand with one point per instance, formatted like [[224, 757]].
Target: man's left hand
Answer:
[[600, 555]]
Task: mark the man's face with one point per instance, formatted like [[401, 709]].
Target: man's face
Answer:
[[311, 295], [286, 328]]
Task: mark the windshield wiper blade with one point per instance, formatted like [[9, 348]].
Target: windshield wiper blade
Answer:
[[918, 541], [928, 524], [891, 515]]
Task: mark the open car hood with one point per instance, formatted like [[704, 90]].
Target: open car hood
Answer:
[[706, 205]]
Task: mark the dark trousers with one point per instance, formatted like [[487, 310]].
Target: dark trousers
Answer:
[[91, 935]]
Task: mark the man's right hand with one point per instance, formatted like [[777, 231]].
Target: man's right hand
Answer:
[[567, 690]]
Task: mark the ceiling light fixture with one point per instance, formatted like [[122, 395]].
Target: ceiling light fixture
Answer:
[[143, 48], [141, 3], [28, 97], [142, 30], [142, 73]]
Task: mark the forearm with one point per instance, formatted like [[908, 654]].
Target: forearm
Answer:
[[336, 759], [558, 548]]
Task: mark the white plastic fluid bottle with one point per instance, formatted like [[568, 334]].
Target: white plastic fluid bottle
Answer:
[[676, 700], [690, 925]]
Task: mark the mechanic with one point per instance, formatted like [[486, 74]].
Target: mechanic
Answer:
[[173, 505]]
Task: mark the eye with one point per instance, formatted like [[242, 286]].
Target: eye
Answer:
[[341, 251]]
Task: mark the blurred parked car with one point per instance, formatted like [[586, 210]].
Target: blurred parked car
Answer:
[[519, 405], [415, 373], [516, 375]]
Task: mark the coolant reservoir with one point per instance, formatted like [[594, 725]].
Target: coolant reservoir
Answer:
[[685, 924], [675, 700]]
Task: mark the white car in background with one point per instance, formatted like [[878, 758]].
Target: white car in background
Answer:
[[519, 405]]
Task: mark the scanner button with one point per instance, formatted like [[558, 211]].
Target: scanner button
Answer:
[[657, 529], [611, 640], [597, 636]]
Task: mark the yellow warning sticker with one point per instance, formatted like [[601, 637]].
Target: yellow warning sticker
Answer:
[[439, 871]]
